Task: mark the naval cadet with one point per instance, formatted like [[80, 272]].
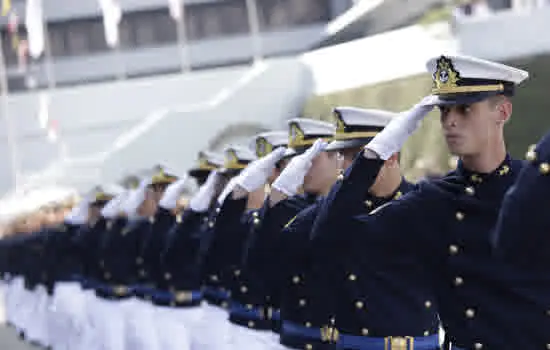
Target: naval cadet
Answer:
[[178, 297], [473, 96], [316, 293], [254, 294], [238, 216], [215, 256]]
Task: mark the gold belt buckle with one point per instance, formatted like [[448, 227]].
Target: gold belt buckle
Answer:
[[399, 343], [120, 290], [330, 334], [182, 296]]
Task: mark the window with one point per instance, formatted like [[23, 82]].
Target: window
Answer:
[[78, 38], [57, 40], [97, 36]]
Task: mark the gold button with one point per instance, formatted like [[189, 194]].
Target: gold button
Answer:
[[547, 312], [359, 304], [205, 219], [531, 155], [213, 278], [251, 324], [142, 273], [548, 346], [218, 210], [107, 275], [459, 215], [152, 219], [478, 346], [237, 272], [308, 324], [544, 168], [426, 333], [364, 331], [340, 177], [296, 279], [139, 260], [244, 289], [302, 302], [459, 281], [309, 347], [476, 178], [428, 304], [470, 191], [453, 249], [352, 277], [255, 214], [470, 313], [178, 219], [167, 276], [211, 224], [249, 306], [368, 204], [224, 304], [256, 221]]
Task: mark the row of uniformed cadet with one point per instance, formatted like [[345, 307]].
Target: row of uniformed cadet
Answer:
[[363, 260]]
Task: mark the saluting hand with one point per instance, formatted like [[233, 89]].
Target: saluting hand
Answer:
[[293, 176], [172, 193], [391, 139]]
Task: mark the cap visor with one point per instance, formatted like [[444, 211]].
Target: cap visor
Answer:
[[339, 145], [199, 172], [464, 98]]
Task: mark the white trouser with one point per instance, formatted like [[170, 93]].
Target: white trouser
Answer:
[[178, 328], [87, 335], [17, 300], [107, 318], [140, 329], [247, 338], [213, 333], [67, 315], [37, 324]]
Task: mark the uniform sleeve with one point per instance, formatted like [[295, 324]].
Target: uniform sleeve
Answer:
[[521, 234], [406, 222], [347, 195], [229, 225]]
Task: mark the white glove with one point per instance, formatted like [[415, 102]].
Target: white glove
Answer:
[[256, 174], [201, 201], [79, 214], [293, 176], [113, 207], [172, 193], [227, 190], [394, 135], [135, 198]]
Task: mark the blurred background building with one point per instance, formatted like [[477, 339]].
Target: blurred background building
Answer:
[[92, 89]]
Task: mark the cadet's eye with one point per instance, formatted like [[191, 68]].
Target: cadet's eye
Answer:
[[444, 110], [464, 109]]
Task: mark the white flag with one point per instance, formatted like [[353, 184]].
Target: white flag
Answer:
[[112, 14], [34, 22], [175, 9], [44, 110]]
